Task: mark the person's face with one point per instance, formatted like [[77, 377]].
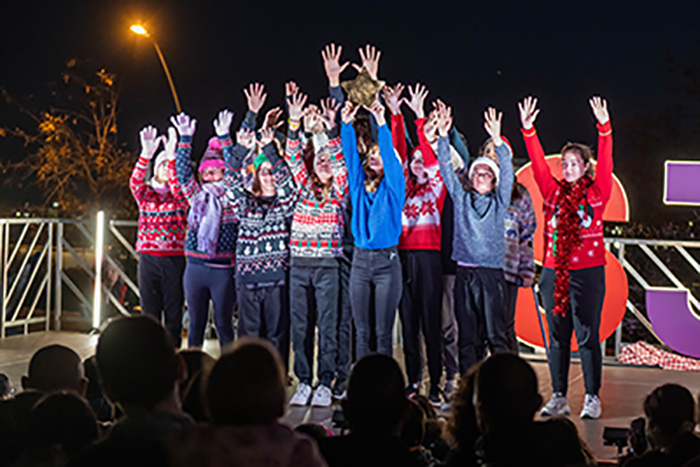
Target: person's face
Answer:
[[417, 167], [322, 167], [482, 179], [162, 172], [572, 166], [212, 174], [374, 160], [267, 181]]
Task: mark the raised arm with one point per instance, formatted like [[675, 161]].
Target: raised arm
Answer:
[[604, 172], [444, 122], [492, 124], [256, 96], [392, 97], [222, 128], [543, 175], [188, 183], [293, 154], [356, 174], [393, 170], [149, 144], [170, 151]]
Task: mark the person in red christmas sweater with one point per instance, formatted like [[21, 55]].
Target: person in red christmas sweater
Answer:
[[419, 244], [573, 279], [161, 233]]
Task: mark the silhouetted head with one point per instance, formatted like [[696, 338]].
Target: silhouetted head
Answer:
[[506, 392], [670, 412], [56, 368], [137, 362], [247, 385], [375, 400]]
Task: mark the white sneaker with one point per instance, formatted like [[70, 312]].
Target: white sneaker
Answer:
[[591, 407], [301, 397], [323, 397], [557, 405]]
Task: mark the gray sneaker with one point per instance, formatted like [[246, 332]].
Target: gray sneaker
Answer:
[[557, 405], [591, 407]]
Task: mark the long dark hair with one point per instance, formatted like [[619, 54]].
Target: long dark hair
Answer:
[[320, 190]]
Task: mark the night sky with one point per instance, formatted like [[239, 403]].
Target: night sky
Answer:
[[470, 54]]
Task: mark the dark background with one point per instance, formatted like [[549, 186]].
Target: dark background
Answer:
[[639, 55]]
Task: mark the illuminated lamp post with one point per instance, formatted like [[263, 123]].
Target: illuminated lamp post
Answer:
[[141, 31]]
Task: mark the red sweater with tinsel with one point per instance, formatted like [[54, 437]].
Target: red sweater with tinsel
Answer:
[[162, 217], [420, 217], [591, 252]]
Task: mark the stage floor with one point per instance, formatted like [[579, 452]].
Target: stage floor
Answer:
[[623, 392]]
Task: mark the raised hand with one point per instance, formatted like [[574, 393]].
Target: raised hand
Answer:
[[296, 105], [528, 112], [370, 60], [149, 141], [184, 124], [246, 138], [492, 124], [444, 119], [417, 99], [222, 124], [378, 110], [256, 96], [170, 143], [347, 114], [266, 136], [600, 109], [329, 109], [331, 62], [392, 96], [290, 88], [272, 119]]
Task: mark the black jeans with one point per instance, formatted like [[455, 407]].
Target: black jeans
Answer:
[[378, 270], [344, 324], [587, 291], [511, 302], [263, 312], [449, 327], [319, 285], [420, 310], [480, 309], [162, 295]]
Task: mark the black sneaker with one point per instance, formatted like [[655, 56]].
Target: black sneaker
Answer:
[[339, 388], [435, 398], [412, 390]]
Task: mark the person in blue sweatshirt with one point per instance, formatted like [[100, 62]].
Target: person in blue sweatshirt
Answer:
[[377, 191], [480, 207]]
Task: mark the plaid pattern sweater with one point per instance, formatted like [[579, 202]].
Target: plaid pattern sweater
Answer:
[[228, 229], [520, 224], [317, 225], [420, 218], [591, 252], [262, 250], [162, 217]]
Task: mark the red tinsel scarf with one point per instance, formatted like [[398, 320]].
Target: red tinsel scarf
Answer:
[[567, 237]]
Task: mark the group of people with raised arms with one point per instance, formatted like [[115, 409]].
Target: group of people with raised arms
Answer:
[[346, 217]]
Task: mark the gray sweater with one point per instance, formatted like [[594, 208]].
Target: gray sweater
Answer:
[[478, 219]]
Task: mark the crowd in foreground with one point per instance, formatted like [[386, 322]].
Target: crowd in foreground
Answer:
[[139, 402]]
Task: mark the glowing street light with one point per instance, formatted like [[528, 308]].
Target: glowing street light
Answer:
[[141, 31]]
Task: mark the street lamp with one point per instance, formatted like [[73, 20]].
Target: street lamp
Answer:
[[141, 31]]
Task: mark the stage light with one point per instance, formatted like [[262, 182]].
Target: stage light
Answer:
[[99, 244], [138, 29]]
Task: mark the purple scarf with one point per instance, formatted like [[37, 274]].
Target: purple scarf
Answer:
[[205, 216]]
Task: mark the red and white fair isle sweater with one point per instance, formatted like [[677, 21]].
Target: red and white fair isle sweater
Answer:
[[591, 252], [162, 217], [420, 217]]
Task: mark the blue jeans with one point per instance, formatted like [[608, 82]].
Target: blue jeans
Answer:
[[319, 285], [378, 270], [203, 283]]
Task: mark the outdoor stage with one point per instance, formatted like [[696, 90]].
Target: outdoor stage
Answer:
[[623, 392]]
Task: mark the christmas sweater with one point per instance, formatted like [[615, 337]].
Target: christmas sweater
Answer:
[[591, 252], [376, 217], [420, 217], [262, 251], [317, 225], [228, 228], [162, 217], [520, 226]]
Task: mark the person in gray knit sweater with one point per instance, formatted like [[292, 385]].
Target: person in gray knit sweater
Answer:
[[480, 206]]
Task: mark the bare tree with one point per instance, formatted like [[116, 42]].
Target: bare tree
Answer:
[[74, 155]]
